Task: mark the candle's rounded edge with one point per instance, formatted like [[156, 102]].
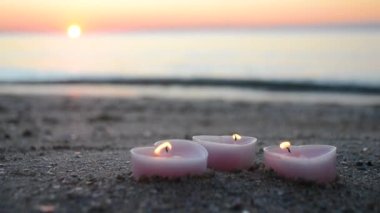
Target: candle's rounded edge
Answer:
[[204, 150], [133, 150], [228, 150], [198, 146], [171, 140], [332, 149], [202, 159], [199, 139], [329, 154]]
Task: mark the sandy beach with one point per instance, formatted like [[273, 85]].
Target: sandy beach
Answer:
[[71, 154]]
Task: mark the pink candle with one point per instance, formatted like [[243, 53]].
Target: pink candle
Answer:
[[308, 162], [227, 153], [169, 158]]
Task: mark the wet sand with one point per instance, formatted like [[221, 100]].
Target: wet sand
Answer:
[[71, 154]]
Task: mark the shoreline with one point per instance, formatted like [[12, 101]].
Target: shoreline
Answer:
[[277, 85], [189, 93]]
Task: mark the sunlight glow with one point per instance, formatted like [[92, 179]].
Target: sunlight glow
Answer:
[[125, 15], [74, 31]]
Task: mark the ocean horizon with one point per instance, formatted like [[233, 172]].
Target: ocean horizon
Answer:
[[335, 60], [340, 56]]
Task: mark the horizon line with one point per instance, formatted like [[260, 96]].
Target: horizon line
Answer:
[[277, 85], [367, 25]]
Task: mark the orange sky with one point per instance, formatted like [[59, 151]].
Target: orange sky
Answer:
[[110, 15]]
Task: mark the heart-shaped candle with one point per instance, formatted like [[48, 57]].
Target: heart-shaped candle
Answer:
[[309, 162], [169, 158], [228, 152]]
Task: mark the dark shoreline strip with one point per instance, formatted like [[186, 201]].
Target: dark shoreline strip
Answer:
[[304, 86]]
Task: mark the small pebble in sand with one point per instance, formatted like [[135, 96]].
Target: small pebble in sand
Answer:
[[236, 205], [46, 208], [27, 133], [120, 177], [78, 189], [77, 154], [7, 136], [359, 163], [89, 182]]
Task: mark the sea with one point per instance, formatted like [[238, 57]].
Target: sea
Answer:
[[342, 58]]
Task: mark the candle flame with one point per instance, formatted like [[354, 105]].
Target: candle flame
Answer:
[[165, 145], [285, 145], [236, 137]]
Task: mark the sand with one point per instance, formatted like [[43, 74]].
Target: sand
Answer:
[[71, 154]]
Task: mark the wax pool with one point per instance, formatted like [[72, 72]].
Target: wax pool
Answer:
[[309, 162], [184, 158], [227, 154]]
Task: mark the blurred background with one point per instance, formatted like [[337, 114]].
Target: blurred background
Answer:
[[288, 45]]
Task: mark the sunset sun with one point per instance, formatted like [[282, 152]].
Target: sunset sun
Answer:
[[74, 31]]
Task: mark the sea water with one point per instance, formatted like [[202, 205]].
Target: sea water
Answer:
[[343, 56], [334, 56]]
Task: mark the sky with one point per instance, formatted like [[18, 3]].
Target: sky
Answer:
[[125, 15]]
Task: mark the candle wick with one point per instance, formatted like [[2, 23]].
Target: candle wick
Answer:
[[166, 149], [288, 149]]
